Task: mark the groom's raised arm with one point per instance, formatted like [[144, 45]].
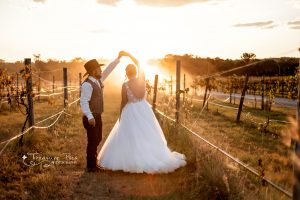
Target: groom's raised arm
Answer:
[[110, 68]]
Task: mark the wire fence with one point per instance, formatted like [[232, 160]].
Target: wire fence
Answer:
[[58, 114], [44, 93], [249, 117], [234, 108], [236, 160], [39, 93]]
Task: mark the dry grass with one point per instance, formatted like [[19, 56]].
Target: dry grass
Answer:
[[208, 174], [244, 140]]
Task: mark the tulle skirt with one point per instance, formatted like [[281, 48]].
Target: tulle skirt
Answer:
[[137, 144]]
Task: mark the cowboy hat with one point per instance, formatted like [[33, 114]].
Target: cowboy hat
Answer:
[[91, 65]]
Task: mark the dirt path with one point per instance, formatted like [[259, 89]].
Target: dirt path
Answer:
[[119, 185]]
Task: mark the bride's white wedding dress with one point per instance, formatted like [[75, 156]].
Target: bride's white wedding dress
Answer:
[[136, 143]]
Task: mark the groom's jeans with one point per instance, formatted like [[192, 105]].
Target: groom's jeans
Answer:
[[94, 136]]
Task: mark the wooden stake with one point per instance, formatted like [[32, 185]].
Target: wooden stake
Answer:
[[65, 75], [263, 93], [183, 96], [155, 92], [206, 88], [39, 89], [177, 91], [29, 92], [53, 84], [242, 99], [171, 85]]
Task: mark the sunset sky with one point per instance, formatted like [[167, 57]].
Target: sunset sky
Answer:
[[64, 29]]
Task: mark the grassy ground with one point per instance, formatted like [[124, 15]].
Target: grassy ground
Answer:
[[246, 140], [206, 176]]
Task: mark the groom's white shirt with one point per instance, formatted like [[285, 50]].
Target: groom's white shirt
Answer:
[[87, 89]]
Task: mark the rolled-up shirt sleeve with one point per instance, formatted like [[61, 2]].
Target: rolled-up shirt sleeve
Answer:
[[85, 97], [109, 69]]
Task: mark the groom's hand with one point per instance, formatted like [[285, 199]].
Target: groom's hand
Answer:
[[92, 122]]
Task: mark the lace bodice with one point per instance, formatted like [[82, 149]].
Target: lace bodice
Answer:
[[130, 95]]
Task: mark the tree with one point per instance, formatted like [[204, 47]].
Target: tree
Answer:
[[37, 57], [247, 57]]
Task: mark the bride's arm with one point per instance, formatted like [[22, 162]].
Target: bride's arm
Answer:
[[124, 99], [136, 62], [141, 74]]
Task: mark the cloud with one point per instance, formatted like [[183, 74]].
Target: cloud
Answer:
[[295, 27], [158, 3], [99, 31], [265, 25], [294, 24], [168, 3], [108, 2], [270, 27], [40, 1]]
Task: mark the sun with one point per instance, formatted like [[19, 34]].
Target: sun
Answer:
[[152, 70]]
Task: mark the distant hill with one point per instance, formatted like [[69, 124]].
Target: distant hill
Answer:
[[195, 66]]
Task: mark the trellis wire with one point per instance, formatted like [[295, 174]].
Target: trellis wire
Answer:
[[37, 127], [253, 171]]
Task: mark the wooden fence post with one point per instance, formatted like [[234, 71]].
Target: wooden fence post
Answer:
[[234, 93], [29, 91], [206, 88], [171, 86], [242, 99], [17, 86], [183, 96], [282, 88], [254, 85], [230, 95], [263, 93], [296, 186], [65, 71], [39, 88], [155, 92], [53, 84], [177, 91], [80, 77]]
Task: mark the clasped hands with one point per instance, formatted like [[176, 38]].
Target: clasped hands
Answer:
[[123, 53]]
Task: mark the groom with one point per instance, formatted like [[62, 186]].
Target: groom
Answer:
[[91, 102]]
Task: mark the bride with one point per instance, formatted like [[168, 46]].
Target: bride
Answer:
[[136, 143]]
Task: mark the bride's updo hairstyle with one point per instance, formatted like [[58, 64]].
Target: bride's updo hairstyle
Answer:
[[130, 70]]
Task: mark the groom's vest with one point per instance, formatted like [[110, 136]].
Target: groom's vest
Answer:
[[96, 102]]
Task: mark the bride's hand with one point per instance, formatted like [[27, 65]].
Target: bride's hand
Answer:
[[122, 53]]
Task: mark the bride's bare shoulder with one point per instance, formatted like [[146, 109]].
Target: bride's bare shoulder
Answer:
[[124, 84]]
